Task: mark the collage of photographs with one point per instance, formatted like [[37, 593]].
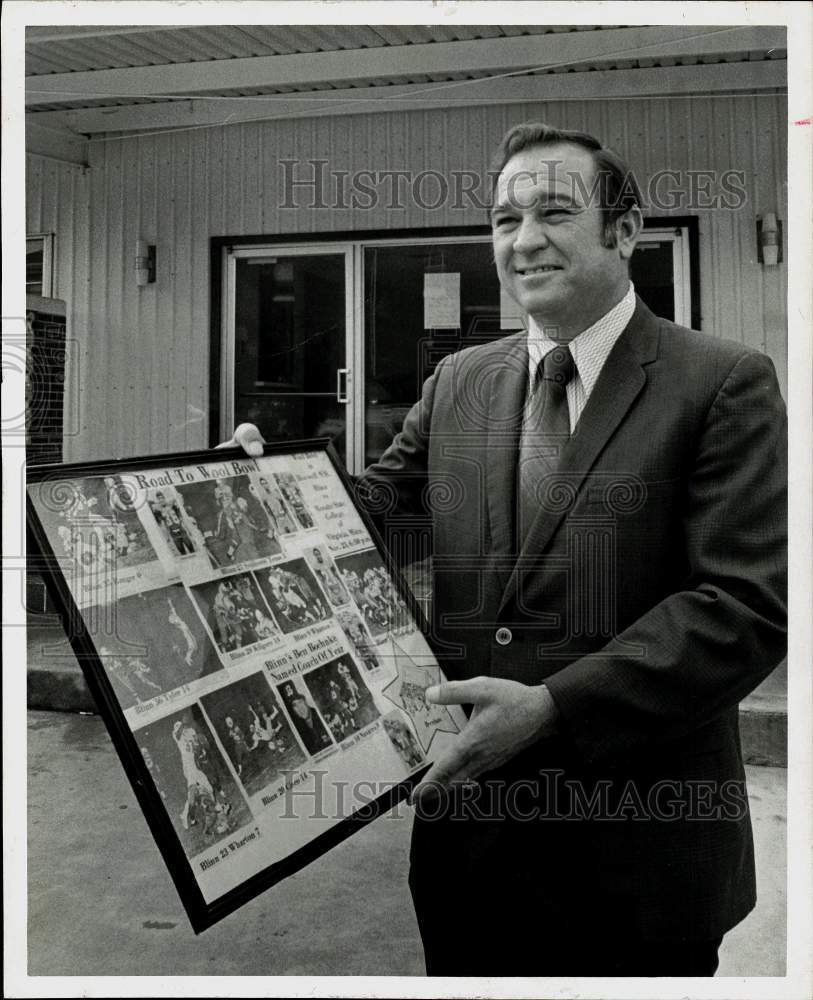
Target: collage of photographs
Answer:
[[236, 578]]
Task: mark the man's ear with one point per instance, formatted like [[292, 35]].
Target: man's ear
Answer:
[[627, 230]]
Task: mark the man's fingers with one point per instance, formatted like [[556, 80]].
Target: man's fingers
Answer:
[[452, 767], [432, 788], [472, 692], [247, 437], [250, 439]]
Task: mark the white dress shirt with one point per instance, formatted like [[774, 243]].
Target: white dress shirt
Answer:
[[590, 349]]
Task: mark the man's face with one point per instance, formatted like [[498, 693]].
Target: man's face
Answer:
[[548, 239]]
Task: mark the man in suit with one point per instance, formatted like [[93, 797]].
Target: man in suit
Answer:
[[608, 584]]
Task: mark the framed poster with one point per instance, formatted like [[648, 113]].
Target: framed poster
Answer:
[[259, 663]]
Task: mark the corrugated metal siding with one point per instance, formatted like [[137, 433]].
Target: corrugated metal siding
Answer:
[[175, 44], [147, 371], [57, 202]]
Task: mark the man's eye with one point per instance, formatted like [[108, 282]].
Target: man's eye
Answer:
[[555, 214], [503, 221]]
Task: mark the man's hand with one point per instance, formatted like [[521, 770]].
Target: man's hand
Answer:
[[507, 717], [247, 437]]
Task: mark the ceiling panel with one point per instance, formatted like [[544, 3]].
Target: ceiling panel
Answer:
[[67, 49], [64, 48]]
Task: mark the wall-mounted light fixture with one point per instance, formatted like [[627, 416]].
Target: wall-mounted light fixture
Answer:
[[144, 263], [769, 240]]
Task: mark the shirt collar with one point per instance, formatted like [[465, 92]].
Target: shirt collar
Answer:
[[591, 348]]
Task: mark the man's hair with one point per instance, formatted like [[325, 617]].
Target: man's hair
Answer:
[[615, 183]]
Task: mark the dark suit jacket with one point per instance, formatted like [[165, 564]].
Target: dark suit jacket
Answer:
[[649, 596]]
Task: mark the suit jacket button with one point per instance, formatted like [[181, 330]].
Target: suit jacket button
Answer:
[[503, 636]]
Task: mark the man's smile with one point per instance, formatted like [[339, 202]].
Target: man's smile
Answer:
[[538, 269]]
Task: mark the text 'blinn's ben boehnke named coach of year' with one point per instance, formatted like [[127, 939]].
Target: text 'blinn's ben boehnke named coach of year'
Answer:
[[609, 582]]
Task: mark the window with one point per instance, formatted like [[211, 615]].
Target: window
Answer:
[[39, 252], [660, 270]]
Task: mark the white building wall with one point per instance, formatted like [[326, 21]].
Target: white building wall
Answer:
[[144, 351]]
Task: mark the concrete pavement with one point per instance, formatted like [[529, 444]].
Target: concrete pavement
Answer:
[[102, 903]]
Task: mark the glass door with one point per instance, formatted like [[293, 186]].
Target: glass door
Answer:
[[288, 313], [423, 299]]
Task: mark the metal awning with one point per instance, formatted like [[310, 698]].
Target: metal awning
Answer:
[[85, 80]]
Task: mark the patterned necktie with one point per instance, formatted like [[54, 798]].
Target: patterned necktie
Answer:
[[545, 431]]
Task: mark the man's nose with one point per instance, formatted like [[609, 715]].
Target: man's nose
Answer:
[[530, 236]]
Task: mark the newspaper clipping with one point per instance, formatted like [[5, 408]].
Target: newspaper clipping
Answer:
[[268, 669]]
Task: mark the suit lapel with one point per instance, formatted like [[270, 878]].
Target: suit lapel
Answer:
[[621, 380], [506, 402]]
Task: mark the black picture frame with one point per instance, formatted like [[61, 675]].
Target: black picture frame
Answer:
[[202, 912]]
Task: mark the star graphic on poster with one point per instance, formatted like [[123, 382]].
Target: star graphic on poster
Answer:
[[407, 690]]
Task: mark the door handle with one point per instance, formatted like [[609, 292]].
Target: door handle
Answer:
[[342, 375]]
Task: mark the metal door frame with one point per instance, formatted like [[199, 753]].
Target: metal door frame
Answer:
[[354, 320], [678, 236], [230, 256]]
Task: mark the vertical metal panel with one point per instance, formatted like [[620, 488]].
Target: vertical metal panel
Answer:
[[147, 158], [121, 404], [172, 328], [180, 255], [144, 350], [101, 330], [196, 427], [771, 143]]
